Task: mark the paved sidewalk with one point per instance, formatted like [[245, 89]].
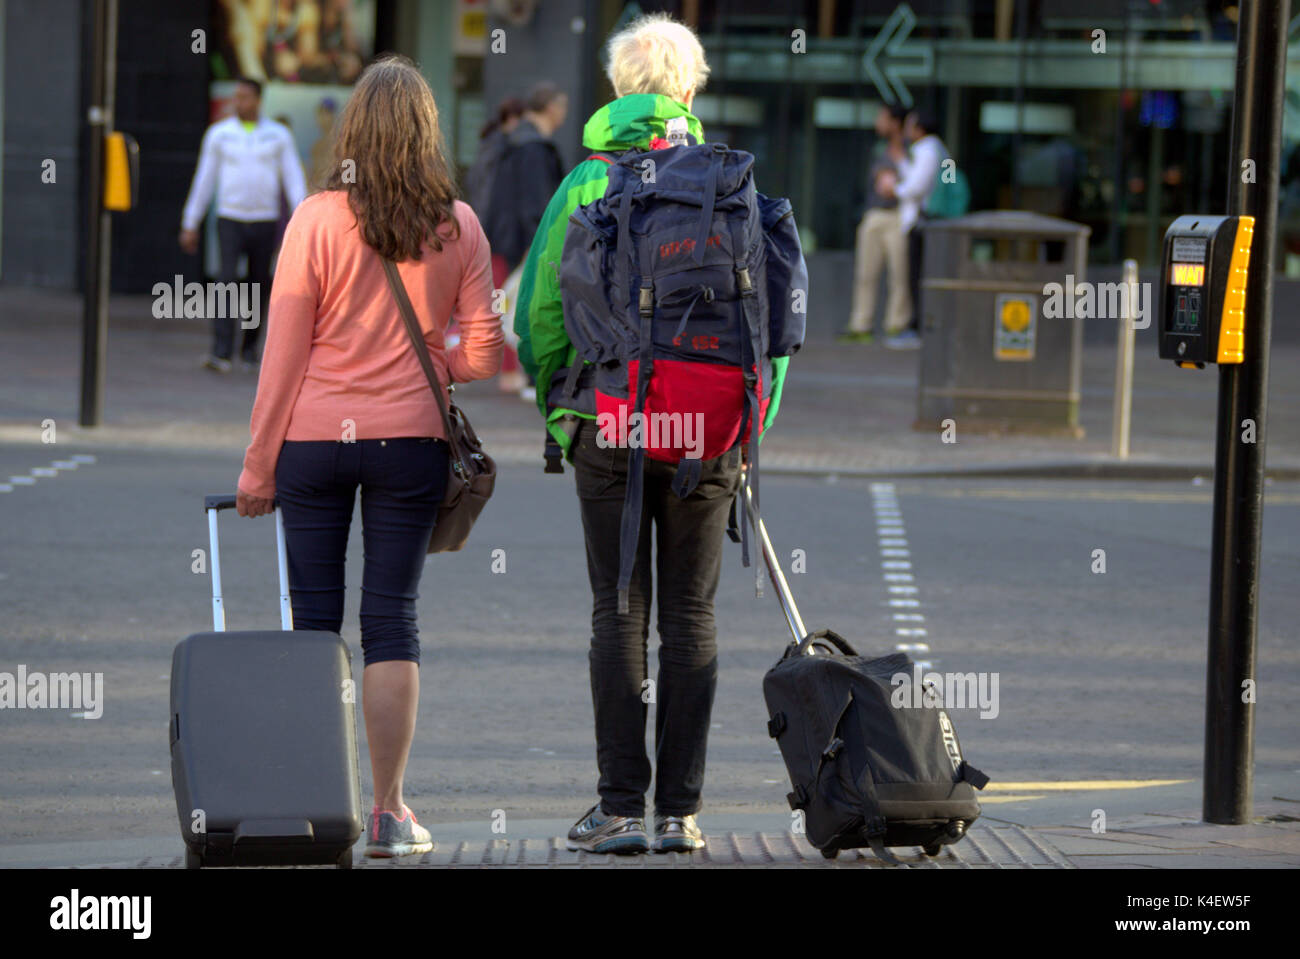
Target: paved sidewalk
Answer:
[[847, 408], [1168, 840]]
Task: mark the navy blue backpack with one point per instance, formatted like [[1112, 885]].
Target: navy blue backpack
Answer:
[[678, 287]]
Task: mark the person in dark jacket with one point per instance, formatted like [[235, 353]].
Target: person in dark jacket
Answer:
[[480, 183], [527, 175], [481, 177]]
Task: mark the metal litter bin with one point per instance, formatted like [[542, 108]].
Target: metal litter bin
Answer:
[[990, 359]]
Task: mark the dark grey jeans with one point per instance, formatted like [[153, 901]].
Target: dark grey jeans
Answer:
[[255, 239], [688, 536]]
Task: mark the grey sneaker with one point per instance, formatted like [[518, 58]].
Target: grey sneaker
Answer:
[[598, 832], [216, 364], [388, 836], [677, 834], [907, 339]]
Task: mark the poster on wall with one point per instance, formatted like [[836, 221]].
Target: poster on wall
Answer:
[[292, 41], [305, 53]]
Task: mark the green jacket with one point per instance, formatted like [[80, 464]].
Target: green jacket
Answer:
[[628, 123]]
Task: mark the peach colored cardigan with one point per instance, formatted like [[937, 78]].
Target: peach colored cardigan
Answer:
[[338, 362]]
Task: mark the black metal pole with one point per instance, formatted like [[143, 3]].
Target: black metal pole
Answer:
[[1022, 64], [1118, 201], [1243, 401], [94, 316]]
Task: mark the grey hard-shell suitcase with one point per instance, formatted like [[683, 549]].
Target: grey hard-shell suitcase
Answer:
[[263, 737]]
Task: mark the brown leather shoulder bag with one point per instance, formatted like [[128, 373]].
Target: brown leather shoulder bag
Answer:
[[472, 473]]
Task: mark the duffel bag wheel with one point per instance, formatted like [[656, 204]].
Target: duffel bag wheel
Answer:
[[192, 859], [933, 849], [345, 860], [830, 852]]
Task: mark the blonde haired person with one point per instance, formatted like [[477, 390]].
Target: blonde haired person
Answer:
[[657, 55], [657, 67], [342, 401]]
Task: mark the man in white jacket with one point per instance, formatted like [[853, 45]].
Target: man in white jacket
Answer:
[[246, 160], [918, 172]]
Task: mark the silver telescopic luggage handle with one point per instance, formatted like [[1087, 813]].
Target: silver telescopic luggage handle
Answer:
[[215, 504], [792, 617]]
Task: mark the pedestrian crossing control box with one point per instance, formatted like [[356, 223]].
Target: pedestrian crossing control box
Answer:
[[1205, 267]]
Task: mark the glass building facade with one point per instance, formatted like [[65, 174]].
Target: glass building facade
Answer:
[[1113, 113]]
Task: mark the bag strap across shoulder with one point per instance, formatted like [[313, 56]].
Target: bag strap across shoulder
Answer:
[[418, 344]]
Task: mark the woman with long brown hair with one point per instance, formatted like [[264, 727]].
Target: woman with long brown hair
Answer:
[[342, 400]]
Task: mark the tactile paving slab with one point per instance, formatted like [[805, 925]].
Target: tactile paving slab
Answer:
[[1001, 846]]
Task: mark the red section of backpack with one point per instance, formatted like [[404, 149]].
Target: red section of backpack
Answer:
[[709, 394]]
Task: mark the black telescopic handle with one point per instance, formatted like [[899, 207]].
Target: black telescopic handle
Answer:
[[220, 501]]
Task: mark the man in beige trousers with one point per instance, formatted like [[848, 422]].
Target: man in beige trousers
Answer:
[[881, 243]]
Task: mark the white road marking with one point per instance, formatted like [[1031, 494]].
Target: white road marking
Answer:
[[895, 554], [43, 472]]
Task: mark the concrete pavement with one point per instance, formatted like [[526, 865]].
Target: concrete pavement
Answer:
[[847, 408], [1000, 839]]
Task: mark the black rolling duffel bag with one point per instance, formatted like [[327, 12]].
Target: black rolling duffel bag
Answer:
[[865, 771]]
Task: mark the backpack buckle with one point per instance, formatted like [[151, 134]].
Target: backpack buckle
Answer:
[[553, 455], [832, 749], [744, 281], [646, 303]]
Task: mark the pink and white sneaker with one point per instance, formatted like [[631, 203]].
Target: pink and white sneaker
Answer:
[[388, 835]]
